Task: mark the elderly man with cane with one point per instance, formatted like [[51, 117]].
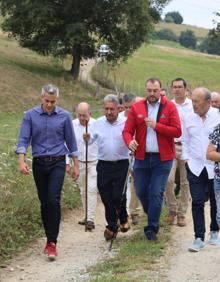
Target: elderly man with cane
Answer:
[[87, 165], [112, 166]]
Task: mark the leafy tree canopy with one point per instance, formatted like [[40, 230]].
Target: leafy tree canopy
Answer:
[[167, 34], [173, 17], [77, 27], [211, 44], [188, 39]]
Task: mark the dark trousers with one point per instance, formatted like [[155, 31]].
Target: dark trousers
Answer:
[[199, 185], [111, 178], [49, 177]]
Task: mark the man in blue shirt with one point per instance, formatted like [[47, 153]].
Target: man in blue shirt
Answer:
[[49, 130]]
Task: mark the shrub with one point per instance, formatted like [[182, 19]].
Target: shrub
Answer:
[[211, 44], [167, 34], [188, 39]]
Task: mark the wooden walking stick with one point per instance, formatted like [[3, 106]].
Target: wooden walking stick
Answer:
[[86, 180]]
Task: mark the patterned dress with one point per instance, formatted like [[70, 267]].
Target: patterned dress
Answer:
[[215, 140]]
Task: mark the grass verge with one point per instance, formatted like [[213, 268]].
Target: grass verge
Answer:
[[136, 258]]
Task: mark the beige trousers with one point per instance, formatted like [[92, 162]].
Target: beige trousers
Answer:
[[91, 188], [134, 204], [174, 207]]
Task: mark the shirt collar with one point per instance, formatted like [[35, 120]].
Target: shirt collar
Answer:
[[41, 111], [157, 103]]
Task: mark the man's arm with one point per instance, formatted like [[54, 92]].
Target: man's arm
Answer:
[[75, 169]]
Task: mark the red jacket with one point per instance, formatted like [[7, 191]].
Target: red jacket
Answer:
[[167, 127]]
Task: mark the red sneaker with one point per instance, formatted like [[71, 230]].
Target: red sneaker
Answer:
[[51, 251]]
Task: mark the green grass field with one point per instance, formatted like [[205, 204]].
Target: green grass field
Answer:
[[166, 63]]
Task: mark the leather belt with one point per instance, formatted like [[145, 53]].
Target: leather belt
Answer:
[[178, 143], [113, 162], [87, 161], [152, 154], [50, 158]]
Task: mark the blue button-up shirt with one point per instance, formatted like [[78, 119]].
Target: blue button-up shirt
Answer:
[[49, 135]]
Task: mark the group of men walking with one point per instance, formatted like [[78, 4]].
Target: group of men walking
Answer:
[[160, 135]]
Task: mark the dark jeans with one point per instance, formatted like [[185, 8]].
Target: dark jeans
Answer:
[[111, 178], [150, 176], [199, 185], [49, 177]]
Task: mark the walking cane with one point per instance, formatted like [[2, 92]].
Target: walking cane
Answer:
[[86, 180], [122, 196]]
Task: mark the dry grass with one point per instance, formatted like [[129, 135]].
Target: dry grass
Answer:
[[178, 28]]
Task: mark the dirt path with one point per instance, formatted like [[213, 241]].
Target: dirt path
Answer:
[[77, 250], [184, 266]]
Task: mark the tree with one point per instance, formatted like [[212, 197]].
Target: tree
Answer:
[[167, 34], [188, 39], [174, 17], [211, 43], [77, 27]]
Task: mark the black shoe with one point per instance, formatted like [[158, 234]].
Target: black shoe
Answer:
[[82, 222], [151, 235], [90, 225]]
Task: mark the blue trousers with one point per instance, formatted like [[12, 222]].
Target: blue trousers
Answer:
[[49, 177], [199, 185], [150, 176]]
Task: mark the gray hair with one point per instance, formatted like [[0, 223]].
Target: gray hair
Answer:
[[128, 97], [111, 98], [207, 93], [50, 89]]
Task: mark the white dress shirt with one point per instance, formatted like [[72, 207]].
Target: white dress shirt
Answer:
[[151, 137], [111, 145], [195, 140], [184, 110], [79, 130]]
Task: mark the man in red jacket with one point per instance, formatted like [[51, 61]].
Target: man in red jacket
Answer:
[[155, 123]]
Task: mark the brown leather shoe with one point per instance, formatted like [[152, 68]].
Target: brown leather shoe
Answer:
[[170, 218], [124, 227], [181, 221], [82, 222], [108, 234]]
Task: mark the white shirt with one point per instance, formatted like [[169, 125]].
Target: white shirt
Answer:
[[111, 145], [79, 130], [151, 137], [184, 110], [195, 140]]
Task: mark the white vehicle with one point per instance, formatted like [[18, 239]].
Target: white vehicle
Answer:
[[104, 50]]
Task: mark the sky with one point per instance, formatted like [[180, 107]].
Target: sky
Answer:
[[196, 12]]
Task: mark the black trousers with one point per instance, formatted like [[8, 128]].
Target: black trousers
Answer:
[[49, 177], [199, 185], [111, 178]]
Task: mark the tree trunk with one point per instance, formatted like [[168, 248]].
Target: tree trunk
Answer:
[[76, 62]]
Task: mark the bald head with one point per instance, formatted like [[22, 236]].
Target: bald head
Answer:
[[83, 113], [201, 99], [215, 100]]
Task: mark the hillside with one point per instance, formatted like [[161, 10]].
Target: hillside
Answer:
[[178, 28], [167, 63], [23, 73]]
